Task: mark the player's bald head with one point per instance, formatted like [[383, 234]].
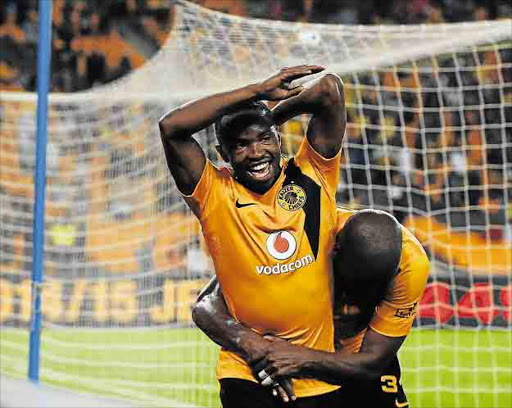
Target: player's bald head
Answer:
[[369, 234], [367, 252]]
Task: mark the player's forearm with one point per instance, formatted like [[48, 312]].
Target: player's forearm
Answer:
[[194, 116], [221, 328], [322, 93], [375, 354], [334, 368], [211, 315], [286, 360]]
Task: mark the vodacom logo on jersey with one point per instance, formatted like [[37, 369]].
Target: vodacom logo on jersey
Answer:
[[282, 245]]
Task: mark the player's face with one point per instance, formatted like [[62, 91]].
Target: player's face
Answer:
[[255, 157]]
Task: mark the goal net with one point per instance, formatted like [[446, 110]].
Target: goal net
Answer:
[[429, 139]]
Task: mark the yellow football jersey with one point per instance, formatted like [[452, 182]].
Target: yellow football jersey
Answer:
[[395, 315], [272, 254]]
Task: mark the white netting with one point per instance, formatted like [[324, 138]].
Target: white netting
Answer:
[[429, 139]]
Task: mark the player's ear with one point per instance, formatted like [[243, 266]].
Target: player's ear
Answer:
[[220, 149]]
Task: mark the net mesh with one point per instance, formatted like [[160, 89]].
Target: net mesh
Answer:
[[429, 138]]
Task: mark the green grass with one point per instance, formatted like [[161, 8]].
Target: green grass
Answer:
[[176, 367], [448, 368]]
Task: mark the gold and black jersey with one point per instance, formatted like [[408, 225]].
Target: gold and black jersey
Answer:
[[272, 254], [395, 315]]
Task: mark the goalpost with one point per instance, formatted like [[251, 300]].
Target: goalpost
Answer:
[[429, 139]]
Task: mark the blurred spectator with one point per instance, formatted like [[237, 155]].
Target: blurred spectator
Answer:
[[9, 26], [31, 28], [9, 78], [81, 80], [235, 7]]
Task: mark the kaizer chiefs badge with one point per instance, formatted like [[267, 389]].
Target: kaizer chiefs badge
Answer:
[[291, 197]]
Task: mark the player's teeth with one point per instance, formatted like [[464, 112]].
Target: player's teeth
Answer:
[[260, 171], [259, 167]]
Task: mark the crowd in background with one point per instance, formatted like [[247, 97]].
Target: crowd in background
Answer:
[[451, 159], [439, 154], [96, 41], [365, 12], [93, 42]]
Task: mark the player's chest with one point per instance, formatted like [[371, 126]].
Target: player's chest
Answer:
[[278, 229], [289, 208]]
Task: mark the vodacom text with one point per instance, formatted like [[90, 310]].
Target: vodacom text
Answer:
[[279, 268]]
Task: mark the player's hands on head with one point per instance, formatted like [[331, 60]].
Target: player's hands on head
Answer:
[[278, 87]]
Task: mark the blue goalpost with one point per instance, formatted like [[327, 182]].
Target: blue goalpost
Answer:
[[43, 79]]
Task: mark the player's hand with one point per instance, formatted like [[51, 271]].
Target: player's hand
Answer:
[[283, 389], [282, 360], [278, 87], [255, 348]]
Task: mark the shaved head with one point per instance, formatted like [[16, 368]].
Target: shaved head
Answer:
[[366, 257]]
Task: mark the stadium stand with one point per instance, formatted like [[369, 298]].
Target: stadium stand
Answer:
[[99, 41], [88, 45]]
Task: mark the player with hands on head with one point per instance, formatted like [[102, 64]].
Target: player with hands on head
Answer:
[[380, 272], [185, 157], [265, 213]]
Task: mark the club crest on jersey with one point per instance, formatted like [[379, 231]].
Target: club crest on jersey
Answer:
[[281, 245], [291, 197]]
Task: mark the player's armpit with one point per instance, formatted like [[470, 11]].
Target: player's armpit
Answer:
[[186, 162]]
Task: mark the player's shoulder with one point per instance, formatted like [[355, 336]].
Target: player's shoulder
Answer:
[[410, 244], [307, 154], [342, 215], [414, 260], [221, 172], [408, 237]]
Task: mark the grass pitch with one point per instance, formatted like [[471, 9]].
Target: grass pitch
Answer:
[[176, 367]]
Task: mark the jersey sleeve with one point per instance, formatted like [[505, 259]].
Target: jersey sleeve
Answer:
[[326, 171], [200, 199], [395, 315], [342, 216]]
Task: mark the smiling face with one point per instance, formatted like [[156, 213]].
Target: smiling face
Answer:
[[254, 153]]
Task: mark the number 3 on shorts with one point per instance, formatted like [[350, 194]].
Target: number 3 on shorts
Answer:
[[389, 383]]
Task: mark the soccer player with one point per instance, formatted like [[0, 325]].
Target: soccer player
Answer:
[[269, 222], [380, 273]]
